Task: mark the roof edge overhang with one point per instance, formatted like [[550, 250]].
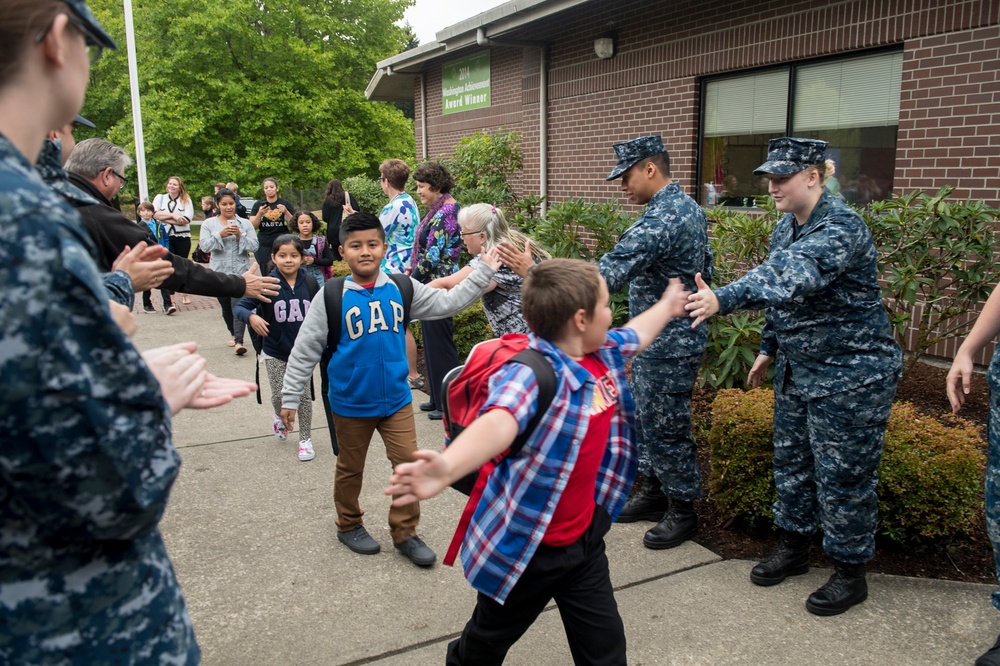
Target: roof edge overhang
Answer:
[[393, 78]]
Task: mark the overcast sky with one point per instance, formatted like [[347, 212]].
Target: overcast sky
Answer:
[[428, 17]]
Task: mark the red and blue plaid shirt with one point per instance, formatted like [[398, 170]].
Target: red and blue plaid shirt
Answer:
[[522, 493]]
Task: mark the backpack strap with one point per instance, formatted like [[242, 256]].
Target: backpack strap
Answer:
[[545, 375], [405, 286], [333, 298]]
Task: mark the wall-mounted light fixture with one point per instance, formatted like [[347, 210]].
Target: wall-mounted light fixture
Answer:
[[604, 47]]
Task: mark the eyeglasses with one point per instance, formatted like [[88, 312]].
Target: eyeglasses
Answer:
[[466, 233], [94, 47], [120, 177], [382, 179]]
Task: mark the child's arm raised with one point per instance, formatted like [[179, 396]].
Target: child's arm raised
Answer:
[[438, 303], [431, 472], [649, 324]]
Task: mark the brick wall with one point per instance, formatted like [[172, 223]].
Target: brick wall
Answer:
[[949, 127]]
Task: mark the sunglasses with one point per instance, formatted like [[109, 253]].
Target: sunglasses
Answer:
[[94, 47]]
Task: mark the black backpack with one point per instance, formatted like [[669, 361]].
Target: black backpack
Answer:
[[333, 299]]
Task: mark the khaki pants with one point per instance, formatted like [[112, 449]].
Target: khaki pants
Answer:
[[354, 434]]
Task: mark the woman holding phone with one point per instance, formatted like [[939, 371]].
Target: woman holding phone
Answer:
[[230, 239]]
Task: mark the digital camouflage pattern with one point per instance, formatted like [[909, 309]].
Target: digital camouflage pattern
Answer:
[[993, 467], [49, 167], [826, 456], [836, 370], [669, 240], [662, 392], [825, 321], [788, 155], [630, 152], [86, 462]]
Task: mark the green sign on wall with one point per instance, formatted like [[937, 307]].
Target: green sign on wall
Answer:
[[465, 84]]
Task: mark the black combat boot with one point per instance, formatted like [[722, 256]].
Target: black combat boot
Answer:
[[647, 504], [846, 587], [679, 524], [991, 657], [789, 558]]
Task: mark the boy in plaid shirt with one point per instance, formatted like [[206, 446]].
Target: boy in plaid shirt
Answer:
[[538, 531]]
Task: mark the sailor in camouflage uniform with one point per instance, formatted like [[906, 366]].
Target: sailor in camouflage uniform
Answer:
[[86, 461], [669, 240], [985, 330], [836, 370]]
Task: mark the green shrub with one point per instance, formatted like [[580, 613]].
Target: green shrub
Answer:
[[483, 165], [741, 481], [929, 477], [468, 328], [340, 269], [368, 192]]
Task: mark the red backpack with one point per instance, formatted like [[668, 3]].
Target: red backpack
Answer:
[[464, 392]]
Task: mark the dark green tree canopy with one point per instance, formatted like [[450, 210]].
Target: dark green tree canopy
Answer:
[[247, 89]]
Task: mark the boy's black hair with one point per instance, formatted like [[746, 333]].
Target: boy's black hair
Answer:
[[360, 221]]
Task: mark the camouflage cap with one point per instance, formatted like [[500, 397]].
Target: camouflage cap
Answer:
[[98, 34], [630, 152], [788, 155]]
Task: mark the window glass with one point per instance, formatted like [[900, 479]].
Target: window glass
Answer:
[[851, 103]]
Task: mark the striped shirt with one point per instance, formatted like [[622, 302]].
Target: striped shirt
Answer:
[[522, 493]]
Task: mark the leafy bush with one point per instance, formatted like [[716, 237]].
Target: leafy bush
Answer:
[[368, 192], [739, 242], [577, 229], [468, 328], [741, 481], [938, 252], [929, 477], [482, 166]]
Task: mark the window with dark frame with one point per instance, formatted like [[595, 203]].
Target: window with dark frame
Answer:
[[852, 103]]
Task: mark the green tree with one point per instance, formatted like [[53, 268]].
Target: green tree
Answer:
[[244, 90]]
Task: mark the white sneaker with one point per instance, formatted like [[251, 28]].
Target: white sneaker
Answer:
[[279, 429], [306, 450]]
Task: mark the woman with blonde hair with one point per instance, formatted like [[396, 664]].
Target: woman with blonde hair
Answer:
[[484, 227]]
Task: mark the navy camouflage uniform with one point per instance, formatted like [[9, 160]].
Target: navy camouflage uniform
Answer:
[[836, 370], [669, 240], [49, 167], [86, 461], [993, 466]]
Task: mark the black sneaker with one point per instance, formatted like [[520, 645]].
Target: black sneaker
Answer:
[[427, 407], [148, 307], [435, 415], [359, 541], [418, 552], [171, 309], [991, 657]]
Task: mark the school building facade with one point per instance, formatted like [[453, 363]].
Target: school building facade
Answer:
[[907, 92]]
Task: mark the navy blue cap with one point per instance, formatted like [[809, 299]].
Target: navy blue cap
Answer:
[[630, 152], [83, 13], [788, 155]]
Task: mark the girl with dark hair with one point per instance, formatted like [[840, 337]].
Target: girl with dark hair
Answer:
[[278, 323], [230, 239], [317, 256], [270, 216], [335, 202]]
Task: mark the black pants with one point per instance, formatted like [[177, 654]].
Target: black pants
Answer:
[[236, 327], [439, 353], [147, 298], [182, 248], [577, 577]]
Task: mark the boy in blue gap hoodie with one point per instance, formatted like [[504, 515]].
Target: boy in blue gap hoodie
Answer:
[[368, 370]]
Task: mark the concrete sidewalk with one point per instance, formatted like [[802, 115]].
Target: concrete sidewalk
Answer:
[[251, 534]]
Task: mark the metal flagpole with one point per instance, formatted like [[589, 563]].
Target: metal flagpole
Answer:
[[133, 79]]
